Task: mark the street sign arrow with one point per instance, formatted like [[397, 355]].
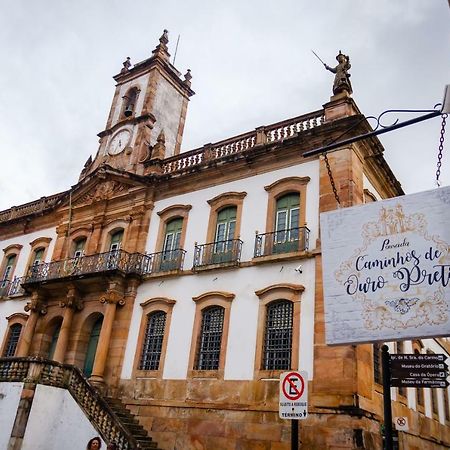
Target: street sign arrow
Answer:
[[416, 366], [419, 382], [411, 373], [418, 357]]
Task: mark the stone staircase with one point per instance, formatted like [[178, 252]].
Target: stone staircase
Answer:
[[129, 421]]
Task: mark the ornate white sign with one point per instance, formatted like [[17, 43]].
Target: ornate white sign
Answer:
[[386, 269]]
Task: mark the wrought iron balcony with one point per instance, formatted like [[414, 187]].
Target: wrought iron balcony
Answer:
[[282, 241], [116, 260], [11, 288], [223, 253]]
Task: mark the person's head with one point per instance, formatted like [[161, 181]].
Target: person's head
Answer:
[[94, 444]]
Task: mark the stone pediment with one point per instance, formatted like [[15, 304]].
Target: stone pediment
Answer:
[[103, 184]]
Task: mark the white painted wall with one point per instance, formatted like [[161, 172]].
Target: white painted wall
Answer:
[[56, 422], [167, 111], [9, 401], [25, 240], [242, 282], [241, 346], [254, 209]]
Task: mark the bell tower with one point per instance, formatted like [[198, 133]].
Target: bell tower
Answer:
[[150, 101]]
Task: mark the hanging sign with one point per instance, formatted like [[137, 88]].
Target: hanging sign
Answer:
[[386, 269]]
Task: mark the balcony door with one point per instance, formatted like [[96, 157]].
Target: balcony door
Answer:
[[170, 257], [114, 249], [10, 262], [223, 241], [92, 347], [287, 222]]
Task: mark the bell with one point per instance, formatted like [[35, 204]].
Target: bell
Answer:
[[128, 111]]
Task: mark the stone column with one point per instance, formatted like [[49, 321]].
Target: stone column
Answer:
[[71, 303], [36, 308], [114, 296]]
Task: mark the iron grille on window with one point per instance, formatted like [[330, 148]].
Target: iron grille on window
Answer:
[[153, 339], [278, 336], [13, 339], [377, 373], [210, 339]]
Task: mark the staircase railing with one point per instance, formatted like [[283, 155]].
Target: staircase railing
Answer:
[[51, 373]]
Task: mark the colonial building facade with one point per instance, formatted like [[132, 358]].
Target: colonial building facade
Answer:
[[181, 284]]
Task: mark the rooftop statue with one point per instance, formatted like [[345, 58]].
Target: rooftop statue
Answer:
[[342, 79]]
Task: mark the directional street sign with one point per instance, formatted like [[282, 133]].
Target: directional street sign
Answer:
[[419, 373], [418, 357], [419, 370], [419, 382], [293, 395]]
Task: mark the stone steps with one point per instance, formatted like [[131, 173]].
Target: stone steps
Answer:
[[130, 422]]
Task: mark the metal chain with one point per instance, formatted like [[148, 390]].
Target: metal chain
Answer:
[[330, 175], [441, 148]]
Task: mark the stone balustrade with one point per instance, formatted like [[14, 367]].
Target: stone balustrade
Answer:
[[50, 373]]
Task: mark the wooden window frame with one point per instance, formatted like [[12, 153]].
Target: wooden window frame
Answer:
[[168, 214], [13, 319], [203, 301], [13, 249], [280, 188], [108, 232], [148, 307], [267, 295], [220, 202], [37, 244]]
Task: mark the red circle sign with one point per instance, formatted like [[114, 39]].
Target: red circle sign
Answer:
[[290, 388]]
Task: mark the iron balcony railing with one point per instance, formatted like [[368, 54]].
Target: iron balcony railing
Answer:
[[120, 260], [219, 252], [11, 288], [282, 241]]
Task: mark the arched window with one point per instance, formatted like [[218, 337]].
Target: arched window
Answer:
[[153, 341], [277, 352], [287, 222], [210, 339], [78, 247], [55, 336], [116, 240], [92, 347], [225, 230], [38, 256], [13, 339], [171, 252], [9, 268], [129, 102]]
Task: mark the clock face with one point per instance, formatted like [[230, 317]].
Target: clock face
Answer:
[[118, 142]]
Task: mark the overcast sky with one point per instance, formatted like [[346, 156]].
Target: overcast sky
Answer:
[[251, 64]]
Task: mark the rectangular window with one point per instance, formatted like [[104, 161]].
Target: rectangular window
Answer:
[[210, 339], [153, 340], [278, 336]]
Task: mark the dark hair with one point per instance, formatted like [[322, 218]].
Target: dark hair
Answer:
[[112, 446], [96, 438]]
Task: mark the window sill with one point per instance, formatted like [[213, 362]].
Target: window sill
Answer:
[[281, 257], [206, 374]]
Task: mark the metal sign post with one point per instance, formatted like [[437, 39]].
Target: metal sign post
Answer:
[[387, 397], [294, 401]]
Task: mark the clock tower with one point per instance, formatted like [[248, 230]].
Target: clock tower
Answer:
[[149, 106]]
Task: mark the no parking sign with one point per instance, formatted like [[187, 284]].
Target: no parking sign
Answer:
[[293, 395]]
